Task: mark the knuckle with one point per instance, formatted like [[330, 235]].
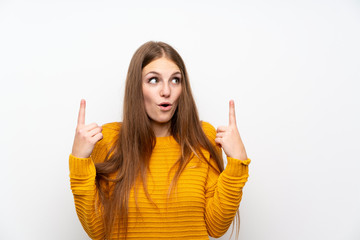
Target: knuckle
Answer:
[[79, 131]]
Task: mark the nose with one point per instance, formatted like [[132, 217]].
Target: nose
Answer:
[[165, 90]]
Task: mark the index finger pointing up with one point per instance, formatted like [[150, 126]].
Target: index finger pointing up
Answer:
[[232, 117], [81, 117]]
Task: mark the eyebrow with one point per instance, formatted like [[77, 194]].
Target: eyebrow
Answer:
[[153, 72]]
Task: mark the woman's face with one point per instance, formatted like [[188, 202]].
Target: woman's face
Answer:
[[161, 85]]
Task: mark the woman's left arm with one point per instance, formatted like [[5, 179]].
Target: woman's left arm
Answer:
[[224, 191]]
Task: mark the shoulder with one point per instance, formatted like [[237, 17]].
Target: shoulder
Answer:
[[110, 132], [111, 128], [209, 131]]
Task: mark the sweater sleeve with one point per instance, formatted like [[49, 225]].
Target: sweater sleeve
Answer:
[[82, 181], [83, 186], [223, 192]]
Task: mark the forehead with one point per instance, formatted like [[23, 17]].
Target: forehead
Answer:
[[160, 65]]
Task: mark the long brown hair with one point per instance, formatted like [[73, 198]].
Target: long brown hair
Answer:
[[130, 155]]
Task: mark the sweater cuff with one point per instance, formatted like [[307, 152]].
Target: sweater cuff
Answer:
[[81, 167], [236, 167]]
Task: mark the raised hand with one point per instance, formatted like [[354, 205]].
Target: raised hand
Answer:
[[228, 137], [86, 136]]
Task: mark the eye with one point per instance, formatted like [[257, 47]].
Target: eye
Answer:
[[175, 80], [153, 80]]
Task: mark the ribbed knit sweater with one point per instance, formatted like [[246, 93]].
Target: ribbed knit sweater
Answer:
[[204, 203]]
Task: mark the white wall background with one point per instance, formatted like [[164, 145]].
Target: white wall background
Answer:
[[293, 68]]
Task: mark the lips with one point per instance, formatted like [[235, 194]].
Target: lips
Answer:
[[165, 106]]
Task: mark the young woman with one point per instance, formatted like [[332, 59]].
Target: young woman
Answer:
[[159, 173]]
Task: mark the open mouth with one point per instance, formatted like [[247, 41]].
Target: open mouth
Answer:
[[165, 106]]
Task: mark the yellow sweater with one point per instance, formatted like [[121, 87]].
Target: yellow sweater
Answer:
[[204, 203]]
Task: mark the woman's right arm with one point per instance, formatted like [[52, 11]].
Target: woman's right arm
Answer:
[[82, 181], [83, 173]]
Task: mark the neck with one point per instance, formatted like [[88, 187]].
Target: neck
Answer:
[[161, 129]]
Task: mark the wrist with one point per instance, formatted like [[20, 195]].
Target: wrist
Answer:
[[240, 155], [79, 155]]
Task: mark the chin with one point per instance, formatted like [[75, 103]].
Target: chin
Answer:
[[161, 120]]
